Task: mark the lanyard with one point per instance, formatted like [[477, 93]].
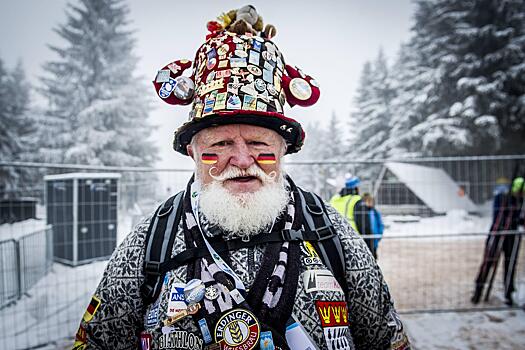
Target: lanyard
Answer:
[[194, 195]]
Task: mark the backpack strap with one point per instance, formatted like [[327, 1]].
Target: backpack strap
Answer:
[[159, 243], [331, 251], [163, 229]]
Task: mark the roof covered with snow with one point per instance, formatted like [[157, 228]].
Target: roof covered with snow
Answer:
[[82, 176], [433, 186]]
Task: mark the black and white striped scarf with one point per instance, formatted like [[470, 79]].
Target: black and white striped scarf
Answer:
[[271, 297]]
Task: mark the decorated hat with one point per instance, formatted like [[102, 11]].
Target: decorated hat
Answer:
[[238, 76]]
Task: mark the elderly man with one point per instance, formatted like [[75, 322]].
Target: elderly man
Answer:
[[243, 258]]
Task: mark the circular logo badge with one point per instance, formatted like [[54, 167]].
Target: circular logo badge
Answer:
[[271, 89], [194, 291], [223, 50], [241, 53], [211, 63], [254, 70], [300, 89], [260, 85], [238, 329], [211, 293], [184, 88]]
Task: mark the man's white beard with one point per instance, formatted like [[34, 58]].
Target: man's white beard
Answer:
[[244, 214]]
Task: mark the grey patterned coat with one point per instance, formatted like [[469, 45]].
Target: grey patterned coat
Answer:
[[121, 316]]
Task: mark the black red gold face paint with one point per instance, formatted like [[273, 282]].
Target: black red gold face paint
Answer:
[[209, 158], [266, 158]]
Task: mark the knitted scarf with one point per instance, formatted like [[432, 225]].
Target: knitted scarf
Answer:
[[271, 297]]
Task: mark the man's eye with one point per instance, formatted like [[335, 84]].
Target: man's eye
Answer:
[[221, 143], [258, 143]]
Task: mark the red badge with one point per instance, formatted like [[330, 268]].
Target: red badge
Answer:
[[332, 313], [209, 158], [145, 341], [266, 158]]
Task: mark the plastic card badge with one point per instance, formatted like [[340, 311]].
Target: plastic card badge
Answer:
[[266, 341], [176, 300], [297, 337], [320, 280]]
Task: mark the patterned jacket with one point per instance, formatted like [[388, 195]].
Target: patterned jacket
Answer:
[[117, 315]]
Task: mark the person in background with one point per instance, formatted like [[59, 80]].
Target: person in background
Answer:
[[351, 205], [376, 223], [503, 236]]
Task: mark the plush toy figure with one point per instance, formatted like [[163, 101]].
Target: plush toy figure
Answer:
[[242, 21]]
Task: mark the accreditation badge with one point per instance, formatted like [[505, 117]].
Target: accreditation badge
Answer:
[[238, 329]]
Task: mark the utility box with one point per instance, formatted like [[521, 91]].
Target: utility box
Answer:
[[82, 208]]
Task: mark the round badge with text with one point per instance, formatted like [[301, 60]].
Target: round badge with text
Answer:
[[238, 329]]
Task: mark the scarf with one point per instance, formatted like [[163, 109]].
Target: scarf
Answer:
[[271, 297]]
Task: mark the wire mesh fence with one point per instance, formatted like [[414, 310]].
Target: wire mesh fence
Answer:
[[437, 213]]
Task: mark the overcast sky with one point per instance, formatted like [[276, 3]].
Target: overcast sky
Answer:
[[329, 40]]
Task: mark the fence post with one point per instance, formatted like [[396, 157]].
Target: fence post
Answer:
[[18, 268]]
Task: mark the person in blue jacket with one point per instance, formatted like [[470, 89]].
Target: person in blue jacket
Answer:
[[376, 223]]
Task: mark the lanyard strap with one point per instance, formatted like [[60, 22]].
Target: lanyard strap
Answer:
[[195, 194]]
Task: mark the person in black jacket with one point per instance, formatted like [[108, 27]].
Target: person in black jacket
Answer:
[[506, 218]]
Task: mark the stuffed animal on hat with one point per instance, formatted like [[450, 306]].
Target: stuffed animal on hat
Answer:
[[242, 21]]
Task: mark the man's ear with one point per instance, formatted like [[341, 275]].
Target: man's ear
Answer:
[[189, 150]]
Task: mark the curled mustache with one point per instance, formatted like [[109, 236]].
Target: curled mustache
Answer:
[[233, 172]]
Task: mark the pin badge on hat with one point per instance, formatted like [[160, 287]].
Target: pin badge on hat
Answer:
[[209, 158], [300, 89], [163, 76]]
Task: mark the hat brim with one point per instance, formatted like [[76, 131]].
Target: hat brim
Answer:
[[288, 128]]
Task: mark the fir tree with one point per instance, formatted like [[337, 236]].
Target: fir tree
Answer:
[[465, 79], [373, 113], [97, 105], [17, 128]]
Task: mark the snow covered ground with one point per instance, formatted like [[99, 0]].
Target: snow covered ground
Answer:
[[424, 273]]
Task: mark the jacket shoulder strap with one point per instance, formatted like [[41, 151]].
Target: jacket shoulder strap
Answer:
[[331, 251], [159, 244]]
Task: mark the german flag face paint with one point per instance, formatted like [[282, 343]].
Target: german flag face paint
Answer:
[[266, 158], [209, 158]]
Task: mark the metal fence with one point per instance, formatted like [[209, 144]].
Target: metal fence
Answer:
[[24, 262], [429, 256]]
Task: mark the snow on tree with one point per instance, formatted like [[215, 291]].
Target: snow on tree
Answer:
[[321, 144], [16, 128], [461, 91], [372, 116], [98, 110]]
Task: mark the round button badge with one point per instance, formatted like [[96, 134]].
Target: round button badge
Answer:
[[260, 85], [184, 89], [300, 89], [254, 70]]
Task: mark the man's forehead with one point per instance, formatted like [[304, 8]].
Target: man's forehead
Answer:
[[236, 130]]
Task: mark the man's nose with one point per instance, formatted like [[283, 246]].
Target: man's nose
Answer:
[[241, 156]]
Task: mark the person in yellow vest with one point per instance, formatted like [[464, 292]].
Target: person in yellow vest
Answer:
[[350, 205]]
